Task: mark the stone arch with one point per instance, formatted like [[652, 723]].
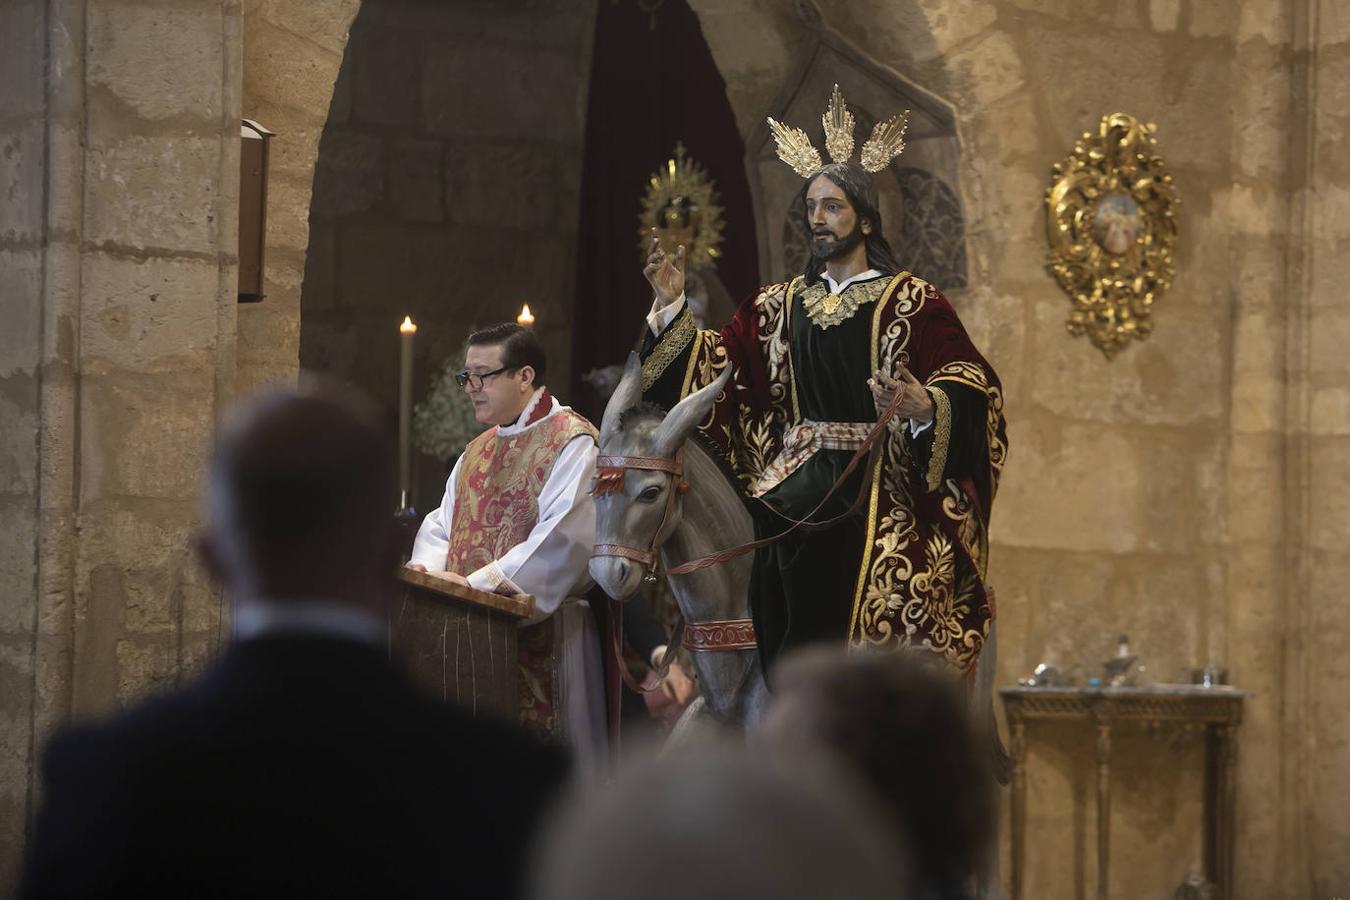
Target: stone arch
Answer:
[[291, 56], [446, 187], [923, 192]]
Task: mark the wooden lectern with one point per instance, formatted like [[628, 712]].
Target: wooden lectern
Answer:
[[459, 643]]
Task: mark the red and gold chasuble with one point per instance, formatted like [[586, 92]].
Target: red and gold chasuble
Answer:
[[496, 506]]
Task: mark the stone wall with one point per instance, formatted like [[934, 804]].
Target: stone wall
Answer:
[[446, 187], [119, 167], [1320, 601], [1185, 493], [23, 135]]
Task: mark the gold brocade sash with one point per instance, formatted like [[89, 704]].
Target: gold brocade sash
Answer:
[[801, 442]]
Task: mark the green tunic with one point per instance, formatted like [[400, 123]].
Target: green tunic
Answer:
[[801, 587], [830, 370]]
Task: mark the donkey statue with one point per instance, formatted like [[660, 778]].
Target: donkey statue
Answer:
[[661, 495]]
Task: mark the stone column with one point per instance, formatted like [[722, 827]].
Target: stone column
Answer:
[[1247, 638], [119, 162], [1322, 516]]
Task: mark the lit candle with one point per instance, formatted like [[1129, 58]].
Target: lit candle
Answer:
[[526, 317], [406, 331]]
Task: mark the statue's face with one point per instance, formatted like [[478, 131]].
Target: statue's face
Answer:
[[832, 220]]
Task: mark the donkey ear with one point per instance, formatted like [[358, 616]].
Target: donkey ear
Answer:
[[680, 422], [627, 395]]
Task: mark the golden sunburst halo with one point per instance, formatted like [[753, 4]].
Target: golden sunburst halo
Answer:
[[681, 206]]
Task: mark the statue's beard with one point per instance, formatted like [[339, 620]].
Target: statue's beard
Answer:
[[827, 248]]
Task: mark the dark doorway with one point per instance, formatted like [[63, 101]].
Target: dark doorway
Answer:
[[653, 84]]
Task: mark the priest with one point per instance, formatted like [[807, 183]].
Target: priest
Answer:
[[517, 517]]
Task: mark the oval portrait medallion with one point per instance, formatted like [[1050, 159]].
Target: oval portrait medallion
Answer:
[[1116, 224]]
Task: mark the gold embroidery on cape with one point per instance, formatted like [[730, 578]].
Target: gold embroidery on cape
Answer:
[[963, 372], [942, 436], [757, 436], [941, 597], [998, 448], [758, 448], [972, 375], [774, 311], [895, 603], [863, 590], [957, 507], [669, 348], [827, 310], [884, 598], [747, 442], [908, 299], [705, 364]]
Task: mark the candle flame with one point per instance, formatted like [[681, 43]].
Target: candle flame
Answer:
[[526, 317], [407, 327]]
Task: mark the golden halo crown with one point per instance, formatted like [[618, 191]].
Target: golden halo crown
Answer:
[[795, 148]]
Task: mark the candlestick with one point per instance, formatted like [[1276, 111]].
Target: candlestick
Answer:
[[526, 317], [405, 373]]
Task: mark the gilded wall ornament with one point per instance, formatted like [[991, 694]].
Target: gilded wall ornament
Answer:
[[681, 205], [1111, 223]]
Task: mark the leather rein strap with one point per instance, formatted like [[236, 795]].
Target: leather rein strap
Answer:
[[616, 641], [727, 634], [871, 447], [609, 479]]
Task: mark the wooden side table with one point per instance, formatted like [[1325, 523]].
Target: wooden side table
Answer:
[[1218, 709]]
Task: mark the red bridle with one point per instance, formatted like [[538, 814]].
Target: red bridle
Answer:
[[732, 634], [609, 477]]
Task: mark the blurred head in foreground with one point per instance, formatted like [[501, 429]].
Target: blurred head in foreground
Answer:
[[300, 498], [718, 824], [900, 722]]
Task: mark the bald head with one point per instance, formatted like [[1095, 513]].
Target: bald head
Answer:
[[300, 501]]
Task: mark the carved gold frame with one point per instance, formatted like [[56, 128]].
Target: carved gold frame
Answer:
[[1111, 224]]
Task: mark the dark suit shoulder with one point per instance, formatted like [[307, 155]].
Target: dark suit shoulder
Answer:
[[317, 761]]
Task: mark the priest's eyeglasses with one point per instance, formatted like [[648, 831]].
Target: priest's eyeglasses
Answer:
[[475, 381]]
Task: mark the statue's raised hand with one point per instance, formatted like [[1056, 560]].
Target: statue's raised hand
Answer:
[[665, 272]]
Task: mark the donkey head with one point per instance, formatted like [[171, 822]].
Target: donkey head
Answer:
[[635, 507]]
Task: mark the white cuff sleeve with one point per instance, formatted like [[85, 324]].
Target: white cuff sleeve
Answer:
[[491, 578], [661, 316]]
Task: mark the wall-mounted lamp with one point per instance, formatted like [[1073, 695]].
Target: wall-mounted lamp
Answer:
[[252, 209]]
